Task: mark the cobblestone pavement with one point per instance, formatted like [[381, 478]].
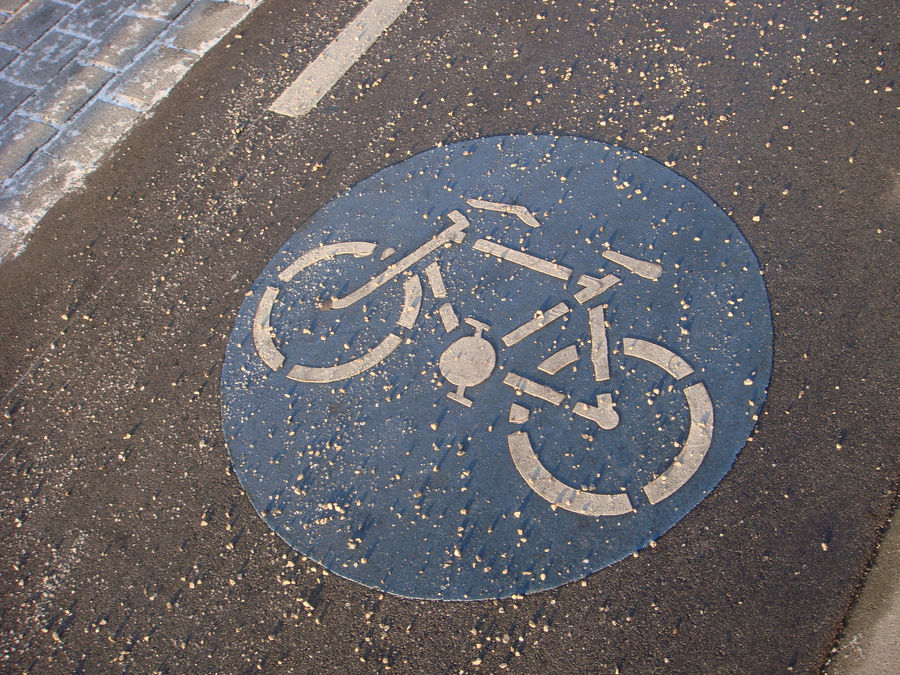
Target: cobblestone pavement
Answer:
[[75, 76]]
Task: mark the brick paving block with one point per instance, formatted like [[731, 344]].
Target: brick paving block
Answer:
[[151, 77], [204, 24], [6, 55], [11, 5], [9, 242], [44, 58], [32, 22], [35, 190], [92, 17], [19, 138], [162, 9], [90, 135], [121, 42], [66, 93], [11, 95]]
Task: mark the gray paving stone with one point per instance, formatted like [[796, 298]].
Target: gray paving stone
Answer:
[[32, 22], [11, 5], [19, 138], [204, 24], [92, 17], [92, 134], [151, 78], [11, 95], [9, 241], [66, 93], [6, 55], [162, 9], [45, 58], [121, 42], [35, 189]]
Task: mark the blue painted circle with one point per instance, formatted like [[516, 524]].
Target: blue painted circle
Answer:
[[384, 479]]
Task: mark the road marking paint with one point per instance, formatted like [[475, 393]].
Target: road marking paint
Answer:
[[518, 414], [435, 280], [643, 268], [321, 75], [559, 360], [358, 249], [412, 302], [349, 369], [542, 320], [468, 362], [532, 262], [658, 355], [448, 317], [454, 232], [555, 491], [262, 331], [695, 447], [592, 287], [596, 473], [599, 345], [603, 414], [532, 388], [516, 210]]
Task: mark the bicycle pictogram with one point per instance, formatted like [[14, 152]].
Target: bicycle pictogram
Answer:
[[470, 360], [496, 366]]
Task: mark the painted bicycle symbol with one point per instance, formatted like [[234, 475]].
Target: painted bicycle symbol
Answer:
[[470, 360]]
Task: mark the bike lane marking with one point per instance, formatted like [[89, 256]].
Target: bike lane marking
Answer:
[[359, 464], [317, 79]]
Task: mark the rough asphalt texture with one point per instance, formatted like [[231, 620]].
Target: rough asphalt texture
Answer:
[[128, 545], [869, 645]]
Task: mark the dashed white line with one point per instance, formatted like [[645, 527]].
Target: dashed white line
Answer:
[[321, 75]]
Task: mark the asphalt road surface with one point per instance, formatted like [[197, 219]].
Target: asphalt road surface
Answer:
[[128, 543]]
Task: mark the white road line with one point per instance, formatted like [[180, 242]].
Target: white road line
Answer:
[[321, 75]]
